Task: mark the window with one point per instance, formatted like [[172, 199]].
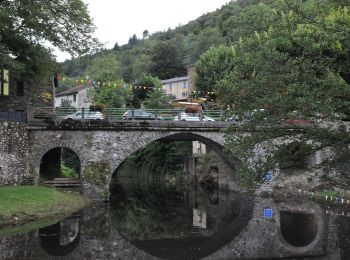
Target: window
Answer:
[[185, 84], [74, 98], [171, 87], [4, 83], [19, 88]]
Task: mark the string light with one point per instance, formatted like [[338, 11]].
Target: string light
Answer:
[[124, 85]]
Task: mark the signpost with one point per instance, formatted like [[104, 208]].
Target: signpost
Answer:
[[4, 82]]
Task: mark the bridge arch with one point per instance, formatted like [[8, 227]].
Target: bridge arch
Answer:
[[46, 148], [215, 141]]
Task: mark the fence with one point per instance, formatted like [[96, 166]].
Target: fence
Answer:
[[117, 114]]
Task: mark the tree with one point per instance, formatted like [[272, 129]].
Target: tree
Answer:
[[112, 96], [297, 66], [133, 40], [168, 58], [105, 68], [116, 47], [144, 86], [25, 26], [197, 44], [141, 65], [212, 66], [157, 99], [145, 34]]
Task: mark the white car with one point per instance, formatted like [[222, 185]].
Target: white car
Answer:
[[193, 117], [88, 115]]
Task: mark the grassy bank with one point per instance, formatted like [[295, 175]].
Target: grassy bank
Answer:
[[21, 204]]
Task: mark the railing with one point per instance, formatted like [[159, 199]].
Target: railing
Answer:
[[13, 116], [119, 114]]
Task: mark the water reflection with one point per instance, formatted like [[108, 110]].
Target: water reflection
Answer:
[[298, 228], [153, 221], [177, 222], [61, 238]]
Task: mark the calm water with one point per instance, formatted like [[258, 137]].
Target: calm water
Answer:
[[152, 221]]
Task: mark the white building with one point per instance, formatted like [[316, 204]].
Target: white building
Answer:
[[78, 97], [177, 87]]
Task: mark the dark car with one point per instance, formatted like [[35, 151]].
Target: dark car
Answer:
[[140, 114]]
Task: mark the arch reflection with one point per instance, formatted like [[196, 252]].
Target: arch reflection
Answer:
[[298, 229], [175, 222], [61, 238]]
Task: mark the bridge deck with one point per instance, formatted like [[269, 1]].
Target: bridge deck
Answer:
[[133, 125]]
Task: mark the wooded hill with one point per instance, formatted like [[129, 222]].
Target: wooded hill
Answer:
[[167, 54]]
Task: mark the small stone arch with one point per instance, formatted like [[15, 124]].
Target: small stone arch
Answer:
[[48, 147]]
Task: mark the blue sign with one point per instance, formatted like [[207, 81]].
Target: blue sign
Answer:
[[268, 176], [268, 213]]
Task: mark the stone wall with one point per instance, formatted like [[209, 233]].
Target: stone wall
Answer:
[[14, 247], [14, 153]]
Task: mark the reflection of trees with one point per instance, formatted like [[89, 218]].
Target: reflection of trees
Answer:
[[152, 212], [157, 159], [159, 219]]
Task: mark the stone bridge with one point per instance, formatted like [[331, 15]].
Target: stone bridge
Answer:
[[104, 149]]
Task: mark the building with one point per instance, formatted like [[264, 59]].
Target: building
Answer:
[[78, 97], [17, 93], [180, 87], [177, 87]]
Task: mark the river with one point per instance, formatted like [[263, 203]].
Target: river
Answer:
[[149, 220]]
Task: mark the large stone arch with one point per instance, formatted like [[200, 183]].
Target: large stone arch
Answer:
[[214, 139]]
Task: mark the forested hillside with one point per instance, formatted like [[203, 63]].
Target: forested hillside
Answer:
[[281, 55], [167, 54]]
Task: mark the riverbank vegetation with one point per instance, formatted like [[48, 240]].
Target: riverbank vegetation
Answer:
[[21, 204]]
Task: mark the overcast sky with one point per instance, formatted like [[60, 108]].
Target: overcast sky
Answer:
[[118, 20]]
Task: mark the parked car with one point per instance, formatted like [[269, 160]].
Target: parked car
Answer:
[[88, 115], [246, 117], [140, 114], [193, 117]]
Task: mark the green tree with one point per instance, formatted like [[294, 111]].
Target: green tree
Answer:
[[133, 40], [215, 64], [197, 44], [112, 96], [168, 58], [145, 85], [141, 65], [298, 65], [157, 99], [26, 25], [105, 68]]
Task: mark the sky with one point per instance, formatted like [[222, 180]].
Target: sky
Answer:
[[118, 20]]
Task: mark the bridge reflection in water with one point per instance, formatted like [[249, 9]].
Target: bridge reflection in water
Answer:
[[151, 222]]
